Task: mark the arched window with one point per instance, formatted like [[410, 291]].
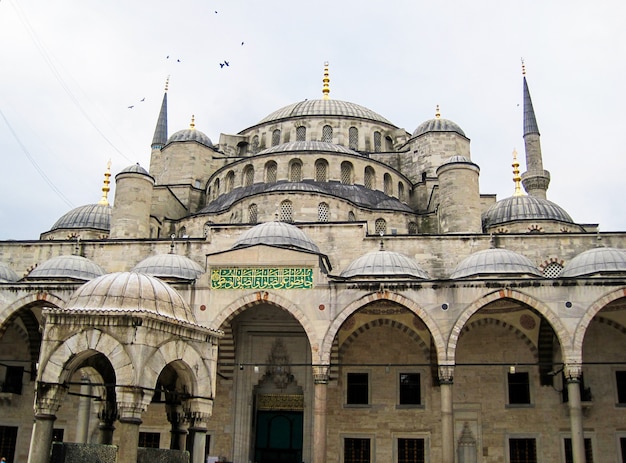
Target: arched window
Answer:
[[248, 175], [230, 181], [270, 172], [351, 217], [255, 144], [380, 226], [353, 138], [327, 134], [295, 171], [216, 188], [286, 211], [347, 173], [321, 170], [276, 137], [252, 213], [412, 228], [370, 178], [301, 133], [377, 142], [387, 185], [553, 270], [401, 191], [388, 143], [242, 148], [323, 212]]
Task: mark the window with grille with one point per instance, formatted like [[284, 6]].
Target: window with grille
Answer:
[[286, 211], [252, 213], [301, 133], [369, 180], [270, 172], [387, 185], [380, 226], [351, 217], [552, 270], [323, 213], [519, 388], [8, 439], [377, 142], [353, 138], [412, 228], [255, 144], [276, 137], [410, 389], [295, 171], [327, 134], [248, 175], [411, 451], [401, 191], [230, 181], [356, 450], [357, 388], [347, 173], [321, 170], [522, 450], [569, 457], [149, 440]]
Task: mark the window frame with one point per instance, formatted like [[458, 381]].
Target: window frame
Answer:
[[587, 439], [399, 404], [425, 437], [369, 437], [510, 404], [347, 375], [510, 437], [617, 388]]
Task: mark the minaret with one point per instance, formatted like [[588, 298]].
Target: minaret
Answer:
[[160, 132], [535, 179], [516, 176], [326, 83], [104, 201]]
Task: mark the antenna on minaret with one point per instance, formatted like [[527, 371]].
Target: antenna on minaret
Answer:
[[523, 68], [104, 201], [517, 178], [326, 83], [437, 113], [193, 122]]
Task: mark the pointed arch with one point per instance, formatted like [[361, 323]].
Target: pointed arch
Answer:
[[30, 299], [331, 333]]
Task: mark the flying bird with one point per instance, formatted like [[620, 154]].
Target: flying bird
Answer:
[[143, 99], [178, 61], [167, 57], [226, 63], [131, 106], [242, 43]]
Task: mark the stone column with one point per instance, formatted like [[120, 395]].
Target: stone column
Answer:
[[320, 379], [176, 417], [197, 413], [48, 398], [107, 416], [131, 403], [84, 411], [573, 372], [446, 374]]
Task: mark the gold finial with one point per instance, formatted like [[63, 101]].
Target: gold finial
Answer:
[[516, 176], [523, 68], [326, 82], [167, 83], [192, 126], [105, 187], [437, 113]]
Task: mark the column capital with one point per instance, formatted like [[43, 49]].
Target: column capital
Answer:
[[198, 411], [572, 372], [132, 401], [321, 374], [446, 374], [48, 398]]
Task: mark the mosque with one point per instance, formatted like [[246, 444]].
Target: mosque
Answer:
[[322, 286]]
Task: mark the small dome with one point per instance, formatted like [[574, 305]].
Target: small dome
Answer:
[[90, 216], [457, 158], [280, 234], [309, 146], [74, 267], [523, 208], [7, 275], [308, 108], [190, 135], [384, 264], [134, 169], [169, 266], [598, 260], [495, 261], [130, 292], [437, 125]]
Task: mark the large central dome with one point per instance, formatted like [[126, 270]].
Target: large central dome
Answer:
[[309, 108]]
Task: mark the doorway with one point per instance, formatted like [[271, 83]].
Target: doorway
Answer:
[[278, 437]]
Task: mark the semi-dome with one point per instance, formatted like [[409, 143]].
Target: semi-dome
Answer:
[[130, 292], [383, 263], [191, 134], [437, 124], [316, 146], [523, 208], [308, 108], [96, 216], [7, 275], [495, 262], [72, 267], [134, 169], [596, 261], [279, 234], [169, 266]]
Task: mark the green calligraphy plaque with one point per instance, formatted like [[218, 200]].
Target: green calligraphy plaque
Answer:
[[261, 278]]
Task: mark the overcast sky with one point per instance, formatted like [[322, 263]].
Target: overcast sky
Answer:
[[71, 69]]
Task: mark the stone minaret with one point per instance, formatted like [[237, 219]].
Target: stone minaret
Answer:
[[459, 196], [160, 137], [535, 179]]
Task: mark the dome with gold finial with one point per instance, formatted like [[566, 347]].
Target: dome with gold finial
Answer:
[[438, 124], [190, 134]]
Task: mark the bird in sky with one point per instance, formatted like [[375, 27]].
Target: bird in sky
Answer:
[[131, 106], [143, 99], [226, 63], [167, 57], [242, 43], [178, 61]]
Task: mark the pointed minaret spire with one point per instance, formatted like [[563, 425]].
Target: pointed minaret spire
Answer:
[[326, 83], [535, 179], [104, 201], [160, 132], [437, 113]]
